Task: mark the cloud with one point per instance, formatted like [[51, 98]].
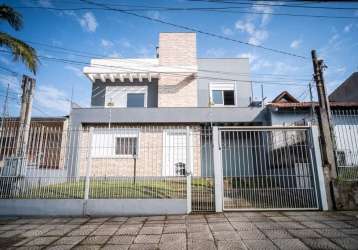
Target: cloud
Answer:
[[14, 83], [295, 44], [56, 43], [267, 10], [106, 43], [227, 31], [153, 14], [125, 43], [341, 69], [348, 28], [52, 99], [114, 54], [45, 3], [144, 51], [283, 68], [256, 36], [252, 57], [88, 22], [78, 72], [215, 52]]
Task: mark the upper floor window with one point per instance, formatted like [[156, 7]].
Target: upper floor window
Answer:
[[222, 94], [126, 96], [135, 100]]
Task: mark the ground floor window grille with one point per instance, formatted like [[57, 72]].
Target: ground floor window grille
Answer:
[[126, 146]]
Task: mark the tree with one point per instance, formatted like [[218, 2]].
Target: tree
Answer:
[[19, 49]]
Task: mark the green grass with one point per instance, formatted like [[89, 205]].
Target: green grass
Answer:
[[104, 189], [107, 188]]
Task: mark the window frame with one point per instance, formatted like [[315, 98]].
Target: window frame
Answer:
[[221, 86], [137, 93], [114, 133], [130, 156], [118, 95]]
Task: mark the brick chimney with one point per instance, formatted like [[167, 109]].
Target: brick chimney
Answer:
[[177, 89], [177, 49]]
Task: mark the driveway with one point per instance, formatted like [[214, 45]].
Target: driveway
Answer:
[[235, 230]]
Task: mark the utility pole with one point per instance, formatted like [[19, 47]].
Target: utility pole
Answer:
[[28, 85], [325, 128]]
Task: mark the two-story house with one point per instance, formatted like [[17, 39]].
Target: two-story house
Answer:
[[140, 109]]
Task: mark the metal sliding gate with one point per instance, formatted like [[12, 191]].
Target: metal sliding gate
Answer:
[[268, 168]]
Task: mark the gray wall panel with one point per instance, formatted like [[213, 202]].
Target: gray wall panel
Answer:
[[224, 70], [99, 91]]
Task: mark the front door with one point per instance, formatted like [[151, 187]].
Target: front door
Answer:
[[175, 152]]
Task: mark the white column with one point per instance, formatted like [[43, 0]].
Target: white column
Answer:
[[218, 172], [188, 170], [318, 164]]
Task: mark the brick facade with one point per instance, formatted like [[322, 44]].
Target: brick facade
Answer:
[[177, 89], [149, 161]]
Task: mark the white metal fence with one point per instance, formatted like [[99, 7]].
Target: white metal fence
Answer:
[[262, 167], [345, 130], [116, 162], [268, 168]]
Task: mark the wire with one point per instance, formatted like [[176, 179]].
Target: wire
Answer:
[[9, 70], [67, 61], [91, 55], [195, 30], [277, 5], [222, 10]]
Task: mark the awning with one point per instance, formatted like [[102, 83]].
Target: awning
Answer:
[[130, 69]]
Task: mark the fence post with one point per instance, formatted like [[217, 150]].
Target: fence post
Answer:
[[218, 173], [188, 171], [317, 157], [88, 165]]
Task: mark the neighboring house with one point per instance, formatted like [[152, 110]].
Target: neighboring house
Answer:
[[46, 145], [347, 91], [140, 109], [287, 111]]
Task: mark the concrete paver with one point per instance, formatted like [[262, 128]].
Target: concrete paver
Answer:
[[235, 230]]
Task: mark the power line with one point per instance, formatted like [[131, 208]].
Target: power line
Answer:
[[8, 70], [67, 61], [195, 30], [91, 55], [217, 10], [277, 5]]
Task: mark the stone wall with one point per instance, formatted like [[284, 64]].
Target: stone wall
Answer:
[[346, 195]]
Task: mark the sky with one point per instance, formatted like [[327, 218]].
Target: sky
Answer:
[[67, 34]]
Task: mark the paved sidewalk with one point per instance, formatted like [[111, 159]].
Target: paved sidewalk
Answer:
[[237, 230]]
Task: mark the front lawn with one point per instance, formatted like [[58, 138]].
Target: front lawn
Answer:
[[109, 188]]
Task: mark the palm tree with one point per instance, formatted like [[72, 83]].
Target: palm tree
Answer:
[[20, 50]]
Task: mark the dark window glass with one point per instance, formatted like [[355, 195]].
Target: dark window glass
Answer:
[[229, 98], [135, 100], [126, 146]]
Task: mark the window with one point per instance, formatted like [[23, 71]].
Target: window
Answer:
[[126, 96], [126, 146], [115, 143], [135, 100], [222, 94]]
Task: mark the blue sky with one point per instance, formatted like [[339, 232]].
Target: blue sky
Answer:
[[107, 33]]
